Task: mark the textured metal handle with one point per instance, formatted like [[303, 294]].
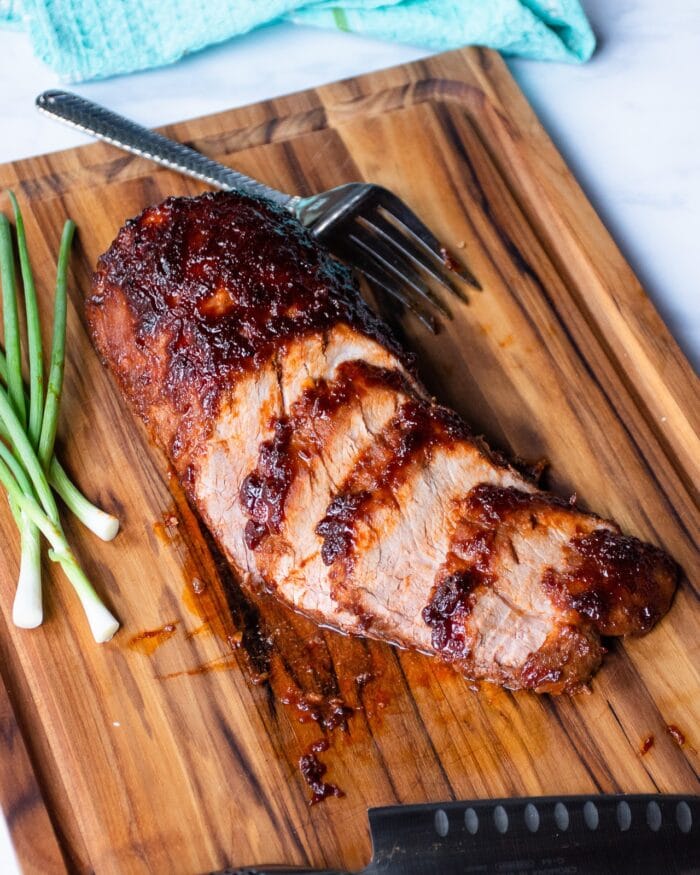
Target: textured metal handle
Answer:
[[119, 131]]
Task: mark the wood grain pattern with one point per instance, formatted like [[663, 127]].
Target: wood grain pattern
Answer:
[[148, 764], [21, 799]]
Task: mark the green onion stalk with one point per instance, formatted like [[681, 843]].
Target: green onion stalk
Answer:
[[28, 424], [100, 523], [27, 610], [34, 498], [102, 624]]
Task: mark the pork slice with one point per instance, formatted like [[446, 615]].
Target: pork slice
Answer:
[[512, 619], [334, 413], [245, 420], [406, 539]]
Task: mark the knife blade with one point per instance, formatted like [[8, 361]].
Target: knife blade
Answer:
[[643, 834]]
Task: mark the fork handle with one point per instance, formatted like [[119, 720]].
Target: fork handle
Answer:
[[119, 131]]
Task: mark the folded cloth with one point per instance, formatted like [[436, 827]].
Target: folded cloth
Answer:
[[552, 30], [93, 39]]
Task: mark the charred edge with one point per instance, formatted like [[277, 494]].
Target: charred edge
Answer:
[[565, 662], [622, 585], [167, 264], [491, 505]]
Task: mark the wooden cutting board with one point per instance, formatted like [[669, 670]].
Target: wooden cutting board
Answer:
[[119, 760]]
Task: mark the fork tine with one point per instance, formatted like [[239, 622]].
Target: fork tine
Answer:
[[394, 264], [397, 236], [380, 277], [426, 319], [447, 266], [397, 211]]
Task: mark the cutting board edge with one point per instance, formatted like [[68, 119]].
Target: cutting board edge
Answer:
[[555, 157]]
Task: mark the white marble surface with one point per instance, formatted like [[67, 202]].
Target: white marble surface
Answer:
[[628, 123]]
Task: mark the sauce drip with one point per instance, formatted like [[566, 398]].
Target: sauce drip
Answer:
[[150, 640], [676, 734], [323, 678], [466, 568], [331, 712], [646, 745], [313, 771], [447, 610], [166, 529], [296, 438], [220, 663], [337, 526], [263, 492]]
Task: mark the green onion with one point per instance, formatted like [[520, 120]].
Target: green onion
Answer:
[[27, 607], [27, 610], [13, 351], [100, 523], [25, 454], [28, 425], [49, 422], [102, 623], [34, 345]]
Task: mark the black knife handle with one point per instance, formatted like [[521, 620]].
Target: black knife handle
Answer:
[[557, 835], [641, 834]]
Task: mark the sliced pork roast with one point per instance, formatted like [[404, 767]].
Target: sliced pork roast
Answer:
[[326, 473]]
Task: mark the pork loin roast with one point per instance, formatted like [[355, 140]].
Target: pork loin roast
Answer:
[[328, 475]]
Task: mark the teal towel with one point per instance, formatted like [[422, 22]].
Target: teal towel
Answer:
[[92, 39]]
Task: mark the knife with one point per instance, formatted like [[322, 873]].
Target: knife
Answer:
[[658, 835]]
